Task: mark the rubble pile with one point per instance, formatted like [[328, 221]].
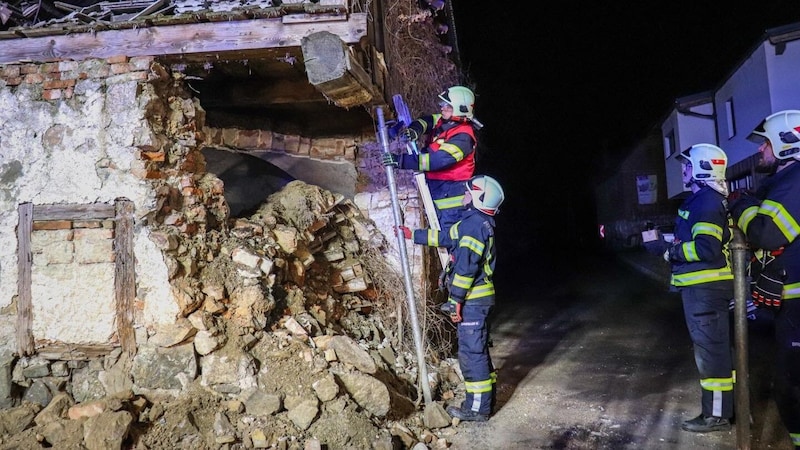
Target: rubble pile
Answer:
[[284, 341]]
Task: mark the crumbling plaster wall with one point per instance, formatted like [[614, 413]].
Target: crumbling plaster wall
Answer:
[[97, 130], [73, 133]]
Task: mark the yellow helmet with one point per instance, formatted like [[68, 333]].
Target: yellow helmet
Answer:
[[461, 99]]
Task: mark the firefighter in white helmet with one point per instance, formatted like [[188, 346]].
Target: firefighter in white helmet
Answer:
[[471, 290], [701, 271], [447, 155], [770, 221]]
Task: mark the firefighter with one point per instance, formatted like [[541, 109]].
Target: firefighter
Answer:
[[701, 271], [448, 155], [471, 291], [770, 223]]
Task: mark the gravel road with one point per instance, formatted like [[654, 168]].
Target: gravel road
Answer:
[[599, 357]]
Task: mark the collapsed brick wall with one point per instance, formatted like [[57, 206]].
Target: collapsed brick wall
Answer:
[[98, 130]]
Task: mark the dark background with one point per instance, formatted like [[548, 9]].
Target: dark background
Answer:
[[565, 89]]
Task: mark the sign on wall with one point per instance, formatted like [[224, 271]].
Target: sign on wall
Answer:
[[647, 187]]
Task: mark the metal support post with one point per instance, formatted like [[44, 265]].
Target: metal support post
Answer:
[[401, 246]]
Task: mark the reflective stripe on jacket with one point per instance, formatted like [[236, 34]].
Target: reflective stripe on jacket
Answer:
[[774, 223], [702, 231], [473, 254], [450, 153]]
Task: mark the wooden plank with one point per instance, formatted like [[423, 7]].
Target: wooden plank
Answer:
[[66, 352], [76, 212], [24, 298], [177, 39], [125, 275]]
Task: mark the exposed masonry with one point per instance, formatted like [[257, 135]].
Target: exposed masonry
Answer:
[[93, 131], [58, 80]]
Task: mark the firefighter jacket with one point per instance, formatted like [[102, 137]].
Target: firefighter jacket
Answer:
[[700, 254], [472, 241], [449, 153], [772, 223]]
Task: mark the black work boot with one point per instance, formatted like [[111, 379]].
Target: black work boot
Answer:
[[705, 424], [466, 415]]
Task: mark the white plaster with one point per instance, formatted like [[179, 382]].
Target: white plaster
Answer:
[[153, 288], [75, 307]]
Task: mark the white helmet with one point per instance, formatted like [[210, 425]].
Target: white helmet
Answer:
[[486, 193], [782, 129], [461, 99], [708, 165]]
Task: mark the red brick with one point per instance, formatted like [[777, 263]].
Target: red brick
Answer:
[[51, 94], [52, 225], [117, 59]]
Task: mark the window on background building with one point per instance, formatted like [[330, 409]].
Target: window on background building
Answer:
[[745, 182], [730, 118], [669, 143]]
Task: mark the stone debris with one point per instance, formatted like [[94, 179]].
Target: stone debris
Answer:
[[274, 349]]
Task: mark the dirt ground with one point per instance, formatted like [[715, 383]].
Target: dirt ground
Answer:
[[601, 359]]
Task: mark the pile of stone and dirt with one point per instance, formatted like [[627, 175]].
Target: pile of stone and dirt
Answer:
[[294, 344]]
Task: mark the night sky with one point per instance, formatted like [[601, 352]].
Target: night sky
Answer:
[[568, 87]]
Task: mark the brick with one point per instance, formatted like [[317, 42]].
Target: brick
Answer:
[[52, 94], [9, 71], [67, 66], [247, 139], [264, 139], [87, 224], [28, 69], [58, 84], [291, 143], [117, 59], [120, 68], [52, 225], [34, 78]]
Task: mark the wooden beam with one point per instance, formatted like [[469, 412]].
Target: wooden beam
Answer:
[[125, 275], [178, 39], [24, 296]]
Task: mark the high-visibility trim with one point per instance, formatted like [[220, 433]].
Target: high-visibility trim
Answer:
[[689, 251], [462, 281], [747, 216], [479, 386], [451, 149], [425, 162], [707, 228], [683, 214], [493, 376], [781, 218], [701, 276], [472, 244], [791, 290], [433, 237], [484, 290], [717, 384], [795, 439], [449, 202]]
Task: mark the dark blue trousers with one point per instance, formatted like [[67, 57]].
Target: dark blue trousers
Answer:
[[474, 360]]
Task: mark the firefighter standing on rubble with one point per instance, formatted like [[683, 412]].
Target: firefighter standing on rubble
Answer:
[[448, 156], [772, 225], [701, 271], [471, 290]]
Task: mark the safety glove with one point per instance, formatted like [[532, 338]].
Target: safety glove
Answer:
[[453, 309], [394, 130], [404, 231], [409, 135]]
